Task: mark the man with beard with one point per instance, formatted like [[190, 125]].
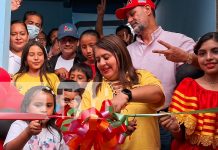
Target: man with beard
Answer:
[[152, 39]]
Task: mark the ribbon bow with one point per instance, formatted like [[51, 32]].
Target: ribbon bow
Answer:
[[102, 129]]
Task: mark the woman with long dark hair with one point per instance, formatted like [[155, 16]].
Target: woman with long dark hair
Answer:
[[197, 131], [34, 70], [138, 91]]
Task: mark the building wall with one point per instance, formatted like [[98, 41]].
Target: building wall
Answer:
[[191, 17], [5, 16], [54, 13], [82, 17]]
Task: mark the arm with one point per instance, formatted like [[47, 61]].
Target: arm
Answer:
[[176, 124], [86, 97], [145, 94], [54, 82], [19, 142], [171, 124], [100, 17], [62, 73], [148, 91], [176, 54]]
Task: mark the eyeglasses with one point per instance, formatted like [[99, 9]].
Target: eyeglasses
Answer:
[[71, 40]]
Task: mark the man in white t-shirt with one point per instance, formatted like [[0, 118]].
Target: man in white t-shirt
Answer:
[[68, 42]]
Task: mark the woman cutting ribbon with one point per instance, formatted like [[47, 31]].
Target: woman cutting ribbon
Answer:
[[131, 91]]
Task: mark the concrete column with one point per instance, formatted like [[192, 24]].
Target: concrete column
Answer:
[[217, 15], [5, 19]]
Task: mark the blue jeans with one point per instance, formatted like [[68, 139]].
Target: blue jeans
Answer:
[[165, 138]]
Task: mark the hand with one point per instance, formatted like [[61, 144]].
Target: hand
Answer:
[[62, 73], [73, 104], [101, 8], [34, 127], [119, 102], [131, 127], [170, 123], [172, 53]]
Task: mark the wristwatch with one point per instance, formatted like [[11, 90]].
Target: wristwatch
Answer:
[[128, 93]]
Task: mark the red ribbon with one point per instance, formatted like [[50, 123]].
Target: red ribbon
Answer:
[[22, 116]]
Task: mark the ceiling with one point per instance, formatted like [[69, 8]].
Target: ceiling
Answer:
[[89, 6]]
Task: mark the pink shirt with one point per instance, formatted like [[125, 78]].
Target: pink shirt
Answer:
[[164, 70]]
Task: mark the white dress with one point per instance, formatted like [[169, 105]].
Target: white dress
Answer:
[[46, 140]]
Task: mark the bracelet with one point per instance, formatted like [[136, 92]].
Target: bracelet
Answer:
[[189, 59]]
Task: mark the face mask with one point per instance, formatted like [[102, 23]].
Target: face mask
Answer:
[[33, 31]]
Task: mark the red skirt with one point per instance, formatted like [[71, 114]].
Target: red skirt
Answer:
[[182, 145]]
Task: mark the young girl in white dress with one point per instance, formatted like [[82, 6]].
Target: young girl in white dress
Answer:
[[36, 134]]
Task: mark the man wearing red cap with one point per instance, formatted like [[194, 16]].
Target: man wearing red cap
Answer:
[[152, 39]]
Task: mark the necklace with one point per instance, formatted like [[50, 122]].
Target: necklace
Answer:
[[112, 88], [115, 86], [212, 84]]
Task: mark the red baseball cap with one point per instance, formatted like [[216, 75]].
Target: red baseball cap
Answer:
[[121, 12]]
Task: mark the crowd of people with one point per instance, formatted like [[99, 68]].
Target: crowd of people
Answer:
[[139, 71]]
